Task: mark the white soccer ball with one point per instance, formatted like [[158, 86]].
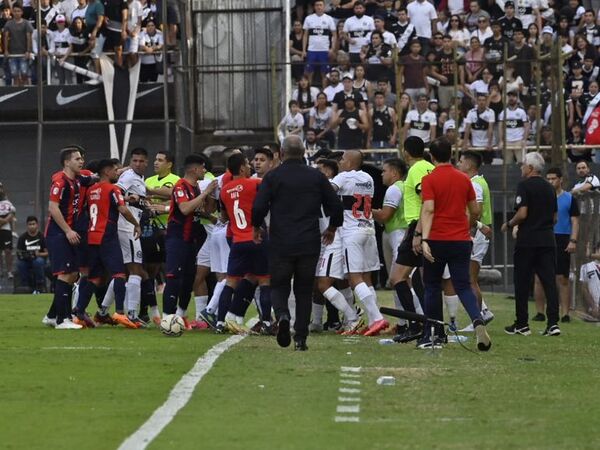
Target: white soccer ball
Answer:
[[172, 325]]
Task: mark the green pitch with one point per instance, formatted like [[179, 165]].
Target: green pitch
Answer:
[[91, 389]]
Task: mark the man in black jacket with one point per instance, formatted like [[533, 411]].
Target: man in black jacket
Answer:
[[293, 194]]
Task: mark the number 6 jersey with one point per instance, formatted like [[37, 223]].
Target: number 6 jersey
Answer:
[[237, 197], [356, 189]]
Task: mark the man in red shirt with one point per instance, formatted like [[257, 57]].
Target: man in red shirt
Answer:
[[181, 242], [246, 257], [105, 203], [447, 194]]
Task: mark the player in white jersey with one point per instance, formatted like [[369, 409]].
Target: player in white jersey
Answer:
[[133, 186], [589, 275], [516, 126], [330, 270], [7, 217], [356, 189], [356, 29]]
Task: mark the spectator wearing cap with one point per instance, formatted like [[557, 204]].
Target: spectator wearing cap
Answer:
[[414, 71], [348, 91], [60, 40], [514, 129], [333, 86], [422, 15], [420, 122], [353, 124], [475, 12], [32, 255], [450, 132], [377, 56], [509, 22]]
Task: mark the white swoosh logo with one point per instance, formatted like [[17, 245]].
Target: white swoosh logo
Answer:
[[9, 96], [141, 94], [61, 100], [28, 243]]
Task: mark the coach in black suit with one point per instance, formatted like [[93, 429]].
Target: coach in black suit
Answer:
[[294, 194]]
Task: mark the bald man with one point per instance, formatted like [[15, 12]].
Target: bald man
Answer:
[[356, 189]]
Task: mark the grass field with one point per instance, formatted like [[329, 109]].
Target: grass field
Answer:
[[91, 389]]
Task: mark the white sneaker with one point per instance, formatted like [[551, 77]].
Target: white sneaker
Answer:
[[49, 322], [10, 275], [315, 327], [67, 325], [468, 329], [487, 316]]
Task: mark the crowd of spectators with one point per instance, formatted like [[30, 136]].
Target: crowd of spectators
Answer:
[[77, 32], [454, 76]]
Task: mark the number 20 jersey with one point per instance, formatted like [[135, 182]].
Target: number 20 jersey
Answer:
[[237, 196], [356, 189]]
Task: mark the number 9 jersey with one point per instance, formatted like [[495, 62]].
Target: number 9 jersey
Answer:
[[237, 197]]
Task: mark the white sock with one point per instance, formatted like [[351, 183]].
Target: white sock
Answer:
[[348, 295], [181, 312], [369, 301], [133, 292], [483, 305], [213, 305], [232, 317], [201, 302], [317, 313], [292, 305], [416, 302], [452, 302], [109, 297], [154, 312], [337, 299], [398, 305], [75, 296]]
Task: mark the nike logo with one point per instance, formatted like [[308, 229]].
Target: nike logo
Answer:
[[141, 94], [9, 96], [61, 100], [28, 243]]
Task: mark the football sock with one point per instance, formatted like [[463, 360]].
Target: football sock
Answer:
[[213, 305], [62, 300], [100, 293], [86, 290], [452, 303], [369, 301], [109, 296], [404, 295], [148, 297], [224, 302], [201, 301], [181, 312], [75, 295], [265, 303], [119, 288], [417, 285], [348, 295], [133, 292], [398, 305], [317, 313], [154, 311], [337, 299], [170, 294]]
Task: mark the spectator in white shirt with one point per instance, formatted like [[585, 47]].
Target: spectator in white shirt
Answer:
[[292, 123], [150, 44], [422, 15]]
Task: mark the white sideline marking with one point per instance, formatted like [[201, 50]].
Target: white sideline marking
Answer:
[[178, 397], [76, 348], [348, 399], [347, 419], [348, 409], [353, 382], [350, 369], [349, 391], [349, 375]]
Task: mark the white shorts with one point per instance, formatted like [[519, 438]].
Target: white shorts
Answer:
[[393, 240], [481, 244], [331, 261], [203, 256], [219, 250], [360, 252], [130, 248]]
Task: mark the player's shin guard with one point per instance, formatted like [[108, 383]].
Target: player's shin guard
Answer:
[[452, 303], [265, 303], [119, 288], [224, 303], [148, 293], [62, 300], [170, 295]]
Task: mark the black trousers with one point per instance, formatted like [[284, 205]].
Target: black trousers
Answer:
[[302, 269], [540, 261]]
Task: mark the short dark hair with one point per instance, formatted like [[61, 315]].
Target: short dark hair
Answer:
[[264, 151], [193, 160], [17, 5], [235, 163], [116, 161], [32, 219], [414, 146], [330, 164], [397, 164], [474, 157], [67, 152], [378, 93], [169, 156], [555, 171], [139, 151], [441, 149], [105, 164]]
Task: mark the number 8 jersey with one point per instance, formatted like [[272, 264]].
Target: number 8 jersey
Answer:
[[356, 189], [237, 197]]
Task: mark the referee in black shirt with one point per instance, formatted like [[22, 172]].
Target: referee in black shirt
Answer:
[[293, 193], [535, 249]]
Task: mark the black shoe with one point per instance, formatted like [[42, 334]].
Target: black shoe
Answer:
[[565, 319], [552, 331], [514, 329], [413, 332], [145, 318], [400, 329], [300, 345], [332, 326], [539, 317], [283, 332]]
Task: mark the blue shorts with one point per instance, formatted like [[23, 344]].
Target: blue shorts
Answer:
[[180, 257], [82, 251], [19, 66], [63, 256], [248, 258], [315, 60], [106, 257]]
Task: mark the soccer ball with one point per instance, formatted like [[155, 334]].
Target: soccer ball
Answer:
[[172, 325]]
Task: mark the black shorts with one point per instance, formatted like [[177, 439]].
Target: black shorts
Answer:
[[153, 247], [563, 259], [113, 40], [6, 240], [406, 256]]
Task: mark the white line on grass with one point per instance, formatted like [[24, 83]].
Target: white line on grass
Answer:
[[349, 391], [76, 348], [348, 399], [350, 369], [177, 398], [353, 382], [353, 411], [348, 409], [349, 375]]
